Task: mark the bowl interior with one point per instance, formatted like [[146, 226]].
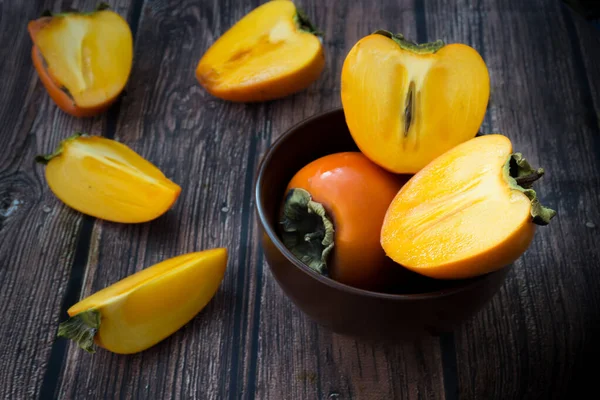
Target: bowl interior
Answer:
[[311, 139]]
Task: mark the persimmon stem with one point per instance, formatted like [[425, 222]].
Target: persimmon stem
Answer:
[[521, 175], [100, 7], [81, 328], [45, 159], [526, 181], [423, 48], [307, 231], [522, 172], [304, 24]]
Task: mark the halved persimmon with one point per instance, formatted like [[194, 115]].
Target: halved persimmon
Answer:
[[469, 212], [272, 52], [406, 104], [106, 179], [83, 59]]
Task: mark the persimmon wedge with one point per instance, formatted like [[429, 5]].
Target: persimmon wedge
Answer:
[[405, 104], [106, 179], [83, 59], [144, 308], [271, 52], [469, 212]]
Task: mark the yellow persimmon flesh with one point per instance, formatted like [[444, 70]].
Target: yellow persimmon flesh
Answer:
[[107, 180], [83, 59], [148, 306], [469, 212], [270, 53], [405, 104]]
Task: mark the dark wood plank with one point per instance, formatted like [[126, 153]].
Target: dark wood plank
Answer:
[[587, 36], [39, 236], [536, 340], [300, 360], [212, 148]]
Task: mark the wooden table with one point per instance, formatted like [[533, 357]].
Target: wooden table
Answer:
[[537, 339]]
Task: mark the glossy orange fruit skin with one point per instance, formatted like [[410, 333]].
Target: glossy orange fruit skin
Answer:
[[356, 194]]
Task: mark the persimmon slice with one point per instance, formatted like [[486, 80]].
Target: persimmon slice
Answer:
[[83, 59], [469, 212], [106, 179], [272, 52], [144, 308]]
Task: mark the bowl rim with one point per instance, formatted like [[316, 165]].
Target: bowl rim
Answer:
[[270, 231]]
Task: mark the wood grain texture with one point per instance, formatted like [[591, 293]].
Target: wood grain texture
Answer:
[[585, 38], [209, 147], [538, 337], [212, 148], [533, 341], [38, 234]]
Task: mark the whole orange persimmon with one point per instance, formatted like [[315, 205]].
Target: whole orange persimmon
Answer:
[[332, 216]]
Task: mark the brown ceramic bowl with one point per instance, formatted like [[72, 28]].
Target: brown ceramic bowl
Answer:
[[419, 307]]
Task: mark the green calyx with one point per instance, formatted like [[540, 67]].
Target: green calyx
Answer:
[[304, 24], [424, 48], [307, 231], [81, 328], [45, 159], [100, 7], [520, 176]]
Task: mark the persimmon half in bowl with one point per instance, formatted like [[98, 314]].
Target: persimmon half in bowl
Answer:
[[409, 307]]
